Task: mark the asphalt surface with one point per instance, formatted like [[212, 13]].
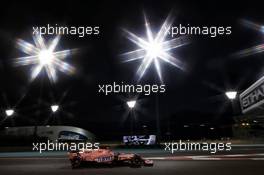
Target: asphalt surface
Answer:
[[57, 166], [239, 161]]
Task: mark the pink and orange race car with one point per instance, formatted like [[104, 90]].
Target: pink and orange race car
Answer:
[[106, 157]]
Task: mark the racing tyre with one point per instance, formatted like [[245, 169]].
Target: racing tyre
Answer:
[[136, 162], [76, 163]]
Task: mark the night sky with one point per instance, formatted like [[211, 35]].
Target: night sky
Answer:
[[192, 97]]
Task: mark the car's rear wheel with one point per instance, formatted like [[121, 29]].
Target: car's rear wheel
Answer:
[[76, 163]]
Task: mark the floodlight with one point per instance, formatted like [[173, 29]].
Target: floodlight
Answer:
[[54, 108], [231, 95], [44, 56], [131, 104], [154, 48], [9, 112]]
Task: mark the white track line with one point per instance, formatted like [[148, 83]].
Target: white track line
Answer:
[[213, 157]]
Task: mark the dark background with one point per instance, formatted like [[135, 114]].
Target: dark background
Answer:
[[193, 97]]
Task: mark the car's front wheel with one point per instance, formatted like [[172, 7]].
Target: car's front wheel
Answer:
[[136, 162]]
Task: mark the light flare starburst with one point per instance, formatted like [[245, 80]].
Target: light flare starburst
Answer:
[[155, 48], [255, 49], [43, 56]]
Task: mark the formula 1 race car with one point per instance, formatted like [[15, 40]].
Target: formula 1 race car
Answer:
[[106, 157]]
